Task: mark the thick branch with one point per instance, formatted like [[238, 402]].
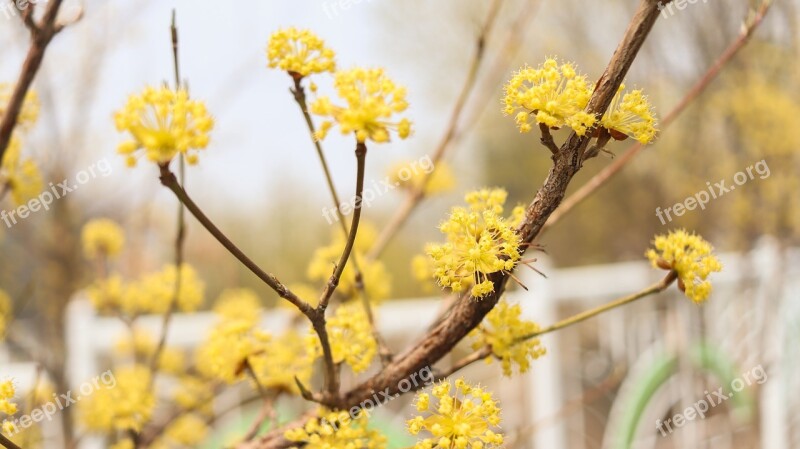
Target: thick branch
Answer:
[[41, 35]]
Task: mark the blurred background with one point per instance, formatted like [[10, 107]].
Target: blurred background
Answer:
[[261, 182]]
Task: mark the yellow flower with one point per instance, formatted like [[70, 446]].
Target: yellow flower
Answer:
[[127, 406], [377, 280], [479, 242], [372, 99], [5, 313], [299, 52], [350, 335], [164, 123], [194, 393], [409, 176], [231, 344], [690, 256], [287, 357], [157, 290], [422, 270], [7, 393], [336, 430], [22, 176], [30, 105], [463, 419], [555, 95], [187, 431], [501, 330], [102, 237], [239, 304], [632, 117]]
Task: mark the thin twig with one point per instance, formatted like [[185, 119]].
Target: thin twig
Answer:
[[180, 233], [417, 193], [331, 372], [299, 94], [601, 178], [41, 35], [8, 444], [169, 180]]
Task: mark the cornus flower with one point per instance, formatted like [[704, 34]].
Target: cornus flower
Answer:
[[7, 393], [299, 52], [20, 175], [127, 406], [462, 420], [372, 99], [102, 237], [336, 430], [350, 337], [554, 95], [231, 344], [186, 431], [479, 242], [631, 117], [286, 358], [501, 330], [163, 122], [690, 257], [30, 105]]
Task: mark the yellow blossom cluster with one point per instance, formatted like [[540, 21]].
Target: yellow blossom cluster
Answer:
[[351, 339], [408, 175], [501, 330], [127, 406], [21, 176], [186, 431], [336, 429], [376, 278], [630, 117], [5, 313], [7, 393], [228, 350], [690, 256], [372, 99], [555, 95], [28, 114], [193, 393], [102, 237], [153, 293], [479, 242], [462, 419], [299, 52], [164, 123]]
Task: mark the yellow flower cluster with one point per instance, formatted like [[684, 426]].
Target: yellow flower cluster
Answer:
[[299, 52], [501, 330], [287, 357], [153, 293], [350, 336], [554, 94], [7, 393], [690, 256], [276, 361], [102, 238], [30, 105], [336, 430], [127, 406], [463, 419], [372, 99], [631, 117], [479, 242], [5, 313], [377, 280], [22, 176], [409, 176], [164, 123], [187, 431], [194, 393]]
